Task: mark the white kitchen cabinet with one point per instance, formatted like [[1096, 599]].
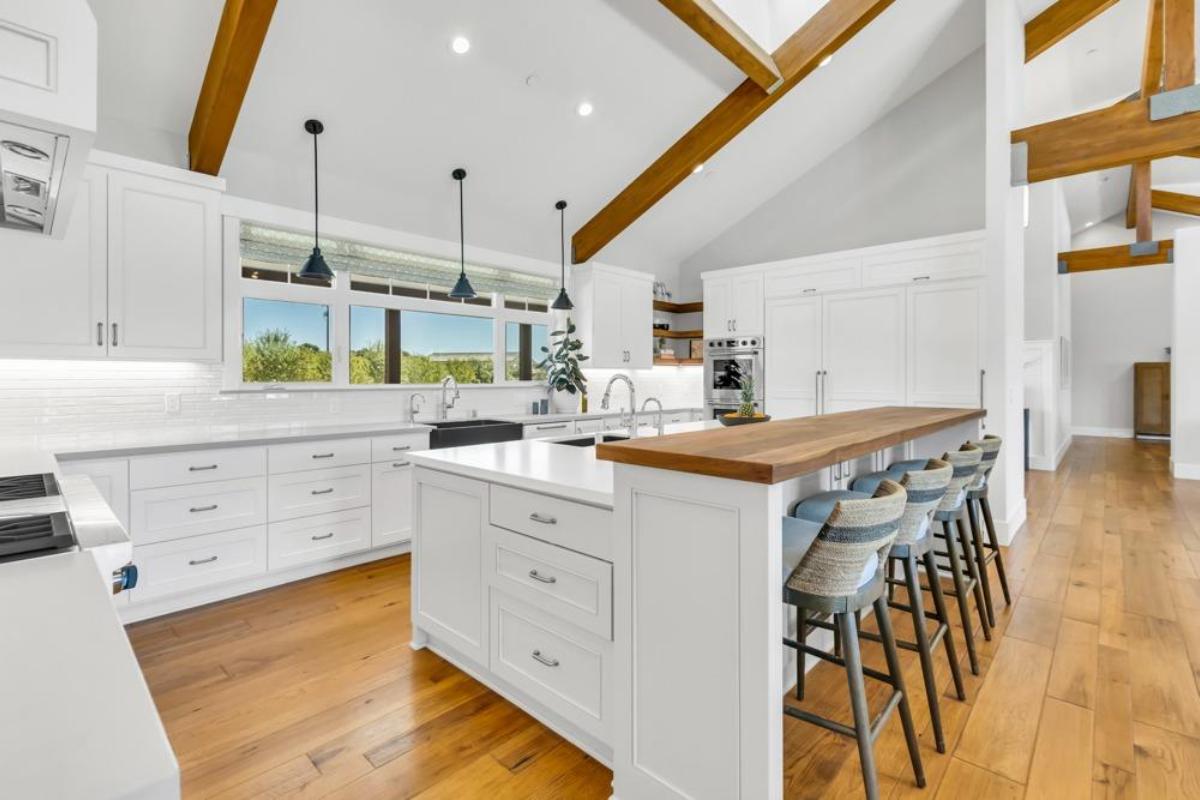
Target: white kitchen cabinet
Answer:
[[318, 491], [793, 356], [944, 258], [589, 425], [864, 350], [176, 512], [733, 305], [111, 478], [323, 537], [945, 343], [391, 503], [614, 314], [543, 430], [198, 562], [717, 308]]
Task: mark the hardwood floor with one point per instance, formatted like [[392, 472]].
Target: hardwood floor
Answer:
[[1089, 686]]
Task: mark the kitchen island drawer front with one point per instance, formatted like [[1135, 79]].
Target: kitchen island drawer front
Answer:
[[320, 538], [391, 503], [576, 587], [575, 526], [556, 665], [397, 446], [174, 512], [302, 494], [197, 466], [324, 454], [543, 430], [200, 561]]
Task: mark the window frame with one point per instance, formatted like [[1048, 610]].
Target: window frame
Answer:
[[339, 297]]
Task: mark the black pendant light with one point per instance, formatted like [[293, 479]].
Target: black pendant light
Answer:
[[462, 289], [315, 266], [562, 302]]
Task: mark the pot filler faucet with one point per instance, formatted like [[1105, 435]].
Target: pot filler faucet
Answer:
[[413, 405], [445, 406], [632, 401], [658, 403]]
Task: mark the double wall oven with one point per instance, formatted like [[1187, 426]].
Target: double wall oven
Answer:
[[728, 364]]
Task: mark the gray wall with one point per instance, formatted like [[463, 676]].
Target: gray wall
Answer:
[[916, 172]]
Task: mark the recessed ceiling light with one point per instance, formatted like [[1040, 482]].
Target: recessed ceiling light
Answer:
[[1088, 224], [698, 168], [460, 44], [584, 109], [825, 61]]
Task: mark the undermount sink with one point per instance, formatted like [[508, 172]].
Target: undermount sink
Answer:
[[591, 441], [462, 432]]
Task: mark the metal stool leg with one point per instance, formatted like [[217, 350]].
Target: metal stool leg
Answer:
[[968, 549], [994, 542], [981, 559], [924, 650], [960, 591], [858, 704], [801, 633], [939, 605], [893, 662]]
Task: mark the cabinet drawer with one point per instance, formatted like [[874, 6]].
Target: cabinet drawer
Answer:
[[576, 587], [815, 278], [920, 264], [199, 561], [173, 512], [562, 668], [387, 448], [300, 494], [589, 425], [319, 538], [391, 503], [575, 526], [196, 466], [543, 429], [322, 454]]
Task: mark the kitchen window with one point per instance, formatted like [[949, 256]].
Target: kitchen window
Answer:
[[285, 342], [523, 345], [396, 346]]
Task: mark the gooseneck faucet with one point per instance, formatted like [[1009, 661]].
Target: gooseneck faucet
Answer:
[[446, 405], [658, 403], [412, 405], [632, 401]]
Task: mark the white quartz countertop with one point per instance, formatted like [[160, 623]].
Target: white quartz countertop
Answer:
[[541, 465], [531, 419], [78, 720]]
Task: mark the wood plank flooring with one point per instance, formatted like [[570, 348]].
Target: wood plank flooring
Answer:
[[1088, 688]]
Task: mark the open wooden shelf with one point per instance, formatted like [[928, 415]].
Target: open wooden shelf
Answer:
[[678, 308], [678, 334], [678, 362]]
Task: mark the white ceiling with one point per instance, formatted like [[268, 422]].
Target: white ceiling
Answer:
[[401, 110]]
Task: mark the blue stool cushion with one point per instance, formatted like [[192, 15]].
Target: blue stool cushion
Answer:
[[868, 484], [818, 507], [798, 536], [913, 465]]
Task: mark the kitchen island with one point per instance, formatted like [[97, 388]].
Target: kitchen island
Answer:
[[628, 594]]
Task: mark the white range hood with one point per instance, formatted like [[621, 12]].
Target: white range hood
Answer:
[[48, 76]]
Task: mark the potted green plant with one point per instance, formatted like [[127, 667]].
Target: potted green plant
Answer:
[[562, 361]]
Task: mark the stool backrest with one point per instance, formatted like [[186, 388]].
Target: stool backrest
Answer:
[[965, 461], [856, 530], [926, 488], [990, 445]]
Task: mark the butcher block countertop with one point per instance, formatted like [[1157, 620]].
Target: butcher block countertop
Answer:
[[770, 452]]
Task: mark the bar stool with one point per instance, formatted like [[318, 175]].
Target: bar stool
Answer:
[[835, 567], [978, 507]]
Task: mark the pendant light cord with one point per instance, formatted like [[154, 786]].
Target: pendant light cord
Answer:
[[562, 273], [462, 237], [316, 197]]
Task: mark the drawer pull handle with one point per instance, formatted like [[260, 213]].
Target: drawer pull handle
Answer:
[[536, 517], [198, 561], [401, 463], [323, 491], [401, 448], [322, 455], [921, 278], [551, 427], [323, 536], [537, 576], [198, 509], [202, 469], [808, 291], [541, 659]]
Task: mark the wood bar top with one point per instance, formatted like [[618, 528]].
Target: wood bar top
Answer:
[[770, 452]]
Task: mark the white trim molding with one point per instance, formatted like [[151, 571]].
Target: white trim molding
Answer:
[[1111, 433], [1185, 472]]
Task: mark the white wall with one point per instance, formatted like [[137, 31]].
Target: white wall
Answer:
[[917, 172], [1185, 367]]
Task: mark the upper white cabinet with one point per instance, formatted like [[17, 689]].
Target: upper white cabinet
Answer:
[[793, 362], [137, 274], [945, 343], [864, 357], [958, 256], [615, 316], [733, 305]]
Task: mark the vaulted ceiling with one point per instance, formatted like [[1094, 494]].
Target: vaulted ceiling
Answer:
[[401, 109]]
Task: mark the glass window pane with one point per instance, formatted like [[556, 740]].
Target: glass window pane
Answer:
[[374, 345], [257, 274], [285, 342], [436, 345], [523, 345]]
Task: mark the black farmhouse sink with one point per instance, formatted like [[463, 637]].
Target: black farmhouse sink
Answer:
[[461, 432], [590, 440]]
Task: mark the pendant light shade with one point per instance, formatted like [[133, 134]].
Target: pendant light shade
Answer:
[[315, 266], [562, 302], [462, 288]]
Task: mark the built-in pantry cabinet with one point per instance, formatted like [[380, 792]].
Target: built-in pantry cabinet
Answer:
[[733, 305], [614, 314], [137, 274]]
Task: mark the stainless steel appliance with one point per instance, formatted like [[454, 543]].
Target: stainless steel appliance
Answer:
[[31, 174], [728, 363], [714, 409]]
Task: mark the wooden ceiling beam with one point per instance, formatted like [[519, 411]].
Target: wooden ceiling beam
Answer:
[[715, 27], [823, 34], [1179, 24], [1175, 201], [1058, 21], [239, 39], [1118, 256], [1138, 212], [1137, 207]]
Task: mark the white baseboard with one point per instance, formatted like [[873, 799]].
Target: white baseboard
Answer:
[[1050, 463], [1062, 451], [1186, 472], [1007, 529], [1111, 433]]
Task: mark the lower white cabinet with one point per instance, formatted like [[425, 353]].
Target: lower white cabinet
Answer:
[[111, 478], [575, 526], [198, 562], [542, 430], [175, 512], [589, 425], [391, 503], [296, 542], [318, 491]]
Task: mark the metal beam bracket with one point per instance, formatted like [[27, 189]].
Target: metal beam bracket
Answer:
[[1143, 249], [1063, 269], [1174, 103]]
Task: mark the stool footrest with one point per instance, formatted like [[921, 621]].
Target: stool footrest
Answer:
[[848, 730], [817, 652]]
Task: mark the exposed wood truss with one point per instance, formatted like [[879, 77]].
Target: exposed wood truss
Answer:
[[727, 37], [1137, 209], [1174, 201], [1179, 25], [235, 51], [827, 30], [1059, 21], [1142, 254]]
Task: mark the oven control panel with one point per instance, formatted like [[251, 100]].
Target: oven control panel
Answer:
[[732, 344]]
